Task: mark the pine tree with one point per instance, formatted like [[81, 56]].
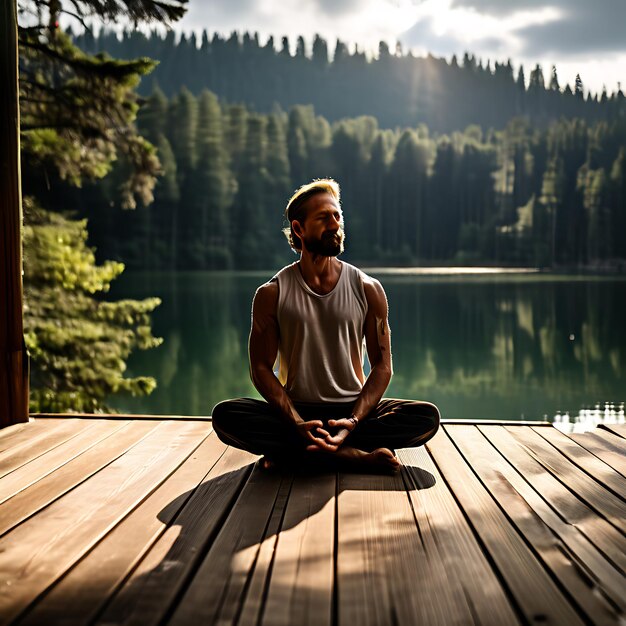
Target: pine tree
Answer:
[[152, 118], [279, 179], [578, 87], [251, 204], [78, 113], [618, 204], [167, 208], [297, 145], [63, 92], [554, 80], [320, 52], [212, 189]]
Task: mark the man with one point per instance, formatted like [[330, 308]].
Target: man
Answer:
[[314, 315]]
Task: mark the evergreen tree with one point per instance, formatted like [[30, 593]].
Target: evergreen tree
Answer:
[[403, 223], [297, 144], [618, 204], [167, 208], [320, 52], [78, 344], [279, 179], [213, 189], [578, 87], [183, 121], [250, 213], [152, 118], [64, 91], [554, 80], [77, 114]]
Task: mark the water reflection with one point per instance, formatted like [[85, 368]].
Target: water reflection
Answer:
[[483, 347], [587, 419]]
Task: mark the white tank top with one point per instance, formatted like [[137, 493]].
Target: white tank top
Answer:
[[321, 344]]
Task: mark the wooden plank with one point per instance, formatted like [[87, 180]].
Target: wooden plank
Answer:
[[302, 576], [534, 592], [616, 429], [89, 585], [42, 493], [613, 439], [449, 539], [591, 582], [216, 591], [604, 449], [588, 462], [148, 594], [571, 509], [465, 422], [384, 574], [18, 434], [363, 587], [604, 502], [40, 441], [33, 471], [8, 432], [39, 551], [258, 583], [123, 416]]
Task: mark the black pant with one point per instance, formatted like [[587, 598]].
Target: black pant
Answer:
[[255, 426]]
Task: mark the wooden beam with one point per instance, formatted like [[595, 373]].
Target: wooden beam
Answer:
[[13, 355]]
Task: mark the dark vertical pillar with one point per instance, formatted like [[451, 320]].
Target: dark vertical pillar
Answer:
[[13, 355]]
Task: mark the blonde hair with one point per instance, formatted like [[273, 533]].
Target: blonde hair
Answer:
[[296, 207]]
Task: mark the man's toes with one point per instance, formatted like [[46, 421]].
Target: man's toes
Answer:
[[267, 464]]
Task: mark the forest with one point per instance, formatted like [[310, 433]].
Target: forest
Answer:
[[397, 88], [516, 196]]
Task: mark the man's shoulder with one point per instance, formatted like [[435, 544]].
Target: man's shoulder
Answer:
[[374, 293], [266, 296], [371, 285], [270, 288]]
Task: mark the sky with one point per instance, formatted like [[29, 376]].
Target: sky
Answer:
[[578, 36]]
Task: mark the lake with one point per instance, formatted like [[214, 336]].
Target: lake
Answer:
[[495, 345]]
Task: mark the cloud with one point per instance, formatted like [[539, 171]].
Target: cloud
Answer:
[[582, 26], [503, 7], [338, 7], [362, 22], [422, 35], [219, 15], [585, 31], [425, 36]]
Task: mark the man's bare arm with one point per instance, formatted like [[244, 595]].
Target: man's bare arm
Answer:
[[263, 348], [378, 342]]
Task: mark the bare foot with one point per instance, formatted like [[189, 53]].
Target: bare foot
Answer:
[[380, 460], [267, 464]]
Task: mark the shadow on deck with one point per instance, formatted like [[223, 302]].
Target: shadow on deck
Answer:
[[155, 521]]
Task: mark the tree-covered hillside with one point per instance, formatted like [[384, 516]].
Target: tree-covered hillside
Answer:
[[398, 89], [520, 195]]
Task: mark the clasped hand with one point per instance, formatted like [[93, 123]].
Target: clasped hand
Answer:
[[318, 438]]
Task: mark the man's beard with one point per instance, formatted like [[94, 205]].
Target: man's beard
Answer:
[[331, 244]]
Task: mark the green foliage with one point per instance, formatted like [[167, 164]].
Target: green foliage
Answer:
[[77, 113], [78, 343]]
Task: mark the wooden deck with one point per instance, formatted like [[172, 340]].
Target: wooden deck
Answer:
[[141, 521]]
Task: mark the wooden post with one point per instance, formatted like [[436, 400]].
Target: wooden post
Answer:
[[13, 355]]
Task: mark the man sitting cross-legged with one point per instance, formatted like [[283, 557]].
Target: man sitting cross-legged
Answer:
[[314, 315]]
